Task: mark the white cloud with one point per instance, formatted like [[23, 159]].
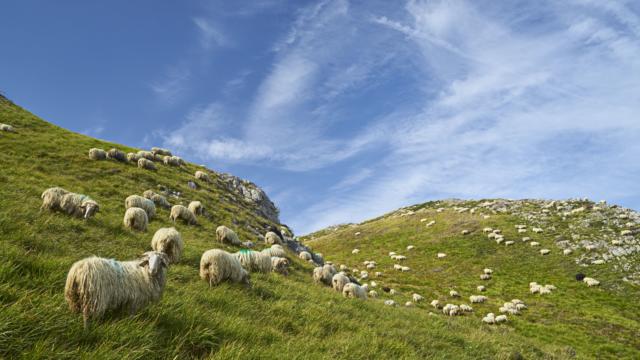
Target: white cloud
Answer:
[[210, 36], [173, 84]]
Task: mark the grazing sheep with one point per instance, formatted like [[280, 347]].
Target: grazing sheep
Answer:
[[7, 128], [526, 238], [485, 277], [141, 202], [510, 242], [181, 212], [534, 243], [97, 154], [271, 238], [160, 201], [355, 251], [451, 310], [218, 265], [481, 288], [410, 247], [171, 160], [196, 207], [324, 274], [146, 164], [279, 264], [275, 250], [431, 223], [537, 230], [567, 251], [373, 294], [160, 151], [392, 291], [378, 274], [95, 285], [227, 236], [409, 304], [351, 290], [488, 271], [146, 155], [77, 205], [133, 157], [490, 318], [390, 303], [466, 308], [501, 318], [435, 304], [441, 255], [535, 288], [168, 241], [117, 155], [454, 293], [405, 269], [626, 232], [201, 175], [477, 299], [338, 281], [373, 284], [136, 218], [487, 230], [465, 232], [417, 297], [305, 255], [545, 251], [254, 260], [148, 194], [591, 281]]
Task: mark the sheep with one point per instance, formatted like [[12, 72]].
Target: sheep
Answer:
[[378, 274], [501, 318], [95, 285], [537, 230], [254, 260], [485, 277], [534, 243], [97, 154], [168, 241], [136, 218], [373, 294], [490, 318], [435, 304], [374, 284], [591, 281], [626, 232], [431, 223], [399, 257], [487, 230], [181, 212], [142, 154], [305, 255], [441, 255], [133, 157], [410, 247], [397, 267], [201, 175], [355, 251], [117, 155], [148, 194], [73, 204], [597, 262], [171, 160], [409, 304], [392, 291], [465, 232], [351, 290], [526, 238], [338, 281], [390, 303], [488, 271], [477, 299], [466, 308], [141, 202], [218, 265], [535, 288], [545, 251], [451, 310], [146, 164], [491, 236], [454, 293], [271, 238], [196, 207], [275, 250], [161, 201], [160, 151], [481, 288], [7, 128], [227, 236], [279, 264], [405, 269], [510, 242], [567, 251], [357, 233], [417, 297], [371, 266], [324, 274]]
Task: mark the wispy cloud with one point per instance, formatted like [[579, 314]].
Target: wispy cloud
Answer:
[[172, 86], [210, 36]]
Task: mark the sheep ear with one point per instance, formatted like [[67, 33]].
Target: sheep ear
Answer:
[[143, 263]]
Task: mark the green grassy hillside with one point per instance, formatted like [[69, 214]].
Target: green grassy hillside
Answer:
[[279, 316]]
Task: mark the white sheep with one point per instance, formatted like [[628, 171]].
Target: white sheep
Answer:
[[279, 264], [355, 251], [117, 155], [567, 251], [545, 251], [271, 238], [228, 236], [487, 230], [338, 281], [218, 265], [181, 212], [324, 274], [97, 154], [534, 243], [501, 318], [441, 255], [196, 207], [626, 232], [537, 230], [510, 242], [373, 294], [417, 297], [171, 160], [144, 163], [481, 288], [95, 285], [490, 318], [141, 202], [136, 218], [305, 255], [133, 157], [477, 299], [451, 310], [591, 281], [526, 238], [73, 204], [254, 260], [7, 128], [431, 223], [160, 151], [275, 250], [410, 247], [390, 303], [465, 232], [409, 304], [454, 293], [201, 175], [466, 308], [168, 241], [485, 277], [373, 284], [435, 304], [488, 271], [405, 269]]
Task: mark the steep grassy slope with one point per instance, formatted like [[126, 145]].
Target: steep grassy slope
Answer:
[[574, 320], [279, 317]]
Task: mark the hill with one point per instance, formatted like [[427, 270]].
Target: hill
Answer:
[[287, 316]]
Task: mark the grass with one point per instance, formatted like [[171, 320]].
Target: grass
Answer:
[[278, 317]]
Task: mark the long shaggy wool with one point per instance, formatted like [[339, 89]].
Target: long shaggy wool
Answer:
[[201, 175], [136, 218], [271, 238], [6, 127], [77, 204], [227, 236], [275, 250], [97, 154], [144, 163], [218, 265], [95, 285], [142, 203], [52, 198], [305, 255], [168, 241], [171, 160], [181, 212], [133, 157], [116, 154], [338, 281], [254, 260], [352, 290], [196, 207], [161, 201], [146, 154], [160, 151], [324, 274], [280, 265]]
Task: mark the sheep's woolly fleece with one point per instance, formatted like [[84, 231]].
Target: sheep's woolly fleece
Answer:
[[136, 218], [181, 212], [168, 241], [218, 265]]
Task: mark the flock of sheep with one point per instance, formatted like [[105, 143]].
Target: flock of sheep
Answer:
[[96, 285]]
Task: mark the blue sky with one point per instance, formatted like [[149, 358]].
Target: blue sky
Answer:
[[343, 110]]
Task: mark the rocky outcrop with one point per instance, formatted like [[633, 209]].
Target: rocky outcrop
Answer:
[[251, 193]]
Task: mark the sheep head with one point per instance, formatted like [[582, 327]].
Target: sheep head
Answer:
[[155, 261], [89, 208]]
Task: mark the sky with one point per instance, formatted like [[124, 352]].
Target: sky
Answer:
[[344, 110]]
